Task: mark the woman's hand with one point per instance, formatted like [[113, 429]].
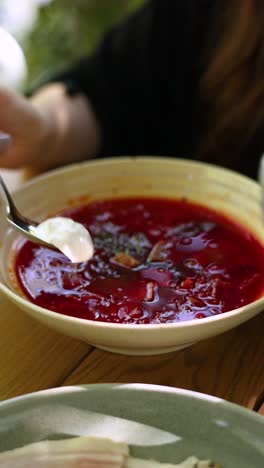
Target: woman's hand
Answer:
[[25, 131], [48, 130]]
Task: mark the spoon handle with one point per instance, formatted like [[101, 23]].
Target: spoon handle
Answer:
[[5, 140], [10, 206], [13, 215]]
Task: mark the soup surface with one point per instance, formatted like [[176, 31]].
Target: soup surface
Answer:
[[156, 261]]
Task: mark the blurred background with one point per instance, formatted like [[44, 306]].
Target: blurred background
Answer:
[[40, 36]]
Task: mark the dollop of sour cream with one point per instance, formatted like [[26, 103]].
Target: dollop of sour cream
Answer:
[[70, 237]]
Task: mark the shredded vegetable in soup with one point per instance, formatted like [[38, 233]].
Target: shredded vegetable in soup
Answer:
[[156, 261]]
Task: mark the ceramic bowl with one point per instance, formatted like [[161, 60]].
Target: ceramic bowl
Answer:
[[218, 188], [158, 422]]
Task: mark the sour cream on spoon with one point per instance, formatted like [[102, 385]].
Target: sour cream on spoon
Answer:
[[68, 236]]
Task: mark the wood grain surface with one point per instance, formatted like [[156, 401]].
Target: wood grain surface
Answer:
[[32, 357], [229, 366]]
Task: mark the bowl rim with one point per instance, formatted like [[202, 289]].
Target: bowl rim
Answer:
[[26, 303], [102, 161], [181, 393]]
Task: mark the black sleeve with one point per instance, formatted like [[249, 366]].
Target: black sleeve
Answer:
[[139, 80]]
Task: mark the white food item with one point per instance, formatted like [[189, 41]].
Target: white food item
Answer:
[[85, 452], [68, 236]]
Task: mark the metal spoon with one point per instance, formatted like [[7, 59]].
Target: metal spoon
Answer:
[[18, 221], [69, 237]]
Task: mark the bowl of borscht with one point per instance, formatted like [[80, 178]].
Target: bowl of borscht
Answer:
[[179, 253]]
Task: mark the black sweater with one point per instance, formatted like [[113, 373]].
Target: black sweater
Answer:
[[142, 81]]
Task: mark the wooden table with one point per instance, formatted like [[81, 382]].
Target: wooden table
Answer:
[[33, 357]]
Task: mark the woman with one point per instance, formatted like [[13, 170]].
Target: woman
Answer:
[[180, 78]]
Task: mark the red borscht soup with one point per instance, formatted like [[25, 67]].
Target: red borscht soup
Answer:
[[156, 261]]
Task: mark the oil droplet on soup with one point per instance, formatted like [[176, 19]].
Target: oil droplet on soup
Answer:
[[156, 261]]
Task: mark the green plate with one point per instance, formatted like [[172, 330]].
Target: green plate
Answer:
[[158, 422]]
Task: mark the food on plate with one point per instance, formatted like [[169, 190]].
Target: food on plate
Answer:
[[156, 261], [85, 452]]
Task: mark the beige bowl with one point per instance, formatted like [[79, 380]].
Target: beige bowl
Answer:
[[212, 186]]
